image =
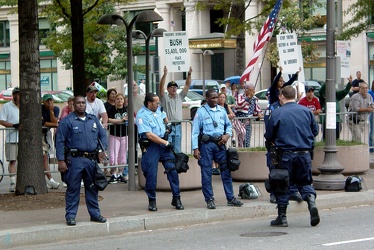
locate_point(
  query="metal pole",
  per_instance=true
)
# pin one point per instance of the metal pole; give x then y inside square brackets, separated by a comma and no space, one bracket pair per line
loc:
[330,177]
[203,59]
[157,64]
[147,80]
[131,130]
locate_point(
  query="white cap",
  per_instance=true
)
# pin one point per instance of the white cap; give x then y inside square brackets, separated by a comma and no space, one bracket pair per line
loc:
[223,85]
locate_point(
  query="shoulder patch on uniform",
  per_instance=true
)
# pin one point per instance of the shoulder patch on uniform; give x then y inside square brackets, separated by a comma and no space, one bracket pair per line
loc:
[140,121]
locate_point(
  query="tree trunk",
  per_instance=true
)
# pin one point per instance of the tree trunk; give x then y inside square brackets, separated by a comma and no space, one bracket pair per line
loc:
[79,74]
[30,173]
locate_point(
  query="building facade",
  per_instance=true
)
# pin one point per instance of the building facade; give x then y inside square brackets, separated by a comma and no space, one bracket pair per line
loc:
[230,54]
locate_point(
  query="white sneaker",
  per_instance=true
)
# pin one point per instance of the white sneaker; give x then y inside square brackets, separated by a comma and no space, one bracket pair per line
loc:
[52,184]
[82,184]
[12,187]
[64,185]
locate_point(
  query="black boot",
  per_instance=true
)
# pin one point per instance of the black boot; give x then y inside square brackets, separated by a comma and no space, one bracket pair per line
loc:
[314,217]
[176,202]
[281,220]
[152,206]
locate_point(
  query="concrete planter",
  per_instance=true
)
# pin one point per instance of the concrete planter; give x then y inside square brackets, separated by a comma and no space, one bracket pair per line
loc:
[187,181]
[252,168]
[354,159]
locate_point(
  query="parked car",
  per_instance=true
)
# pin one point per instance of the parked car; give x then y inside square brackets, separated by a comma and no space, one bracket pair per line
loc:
[6,94]
[262,99]
[58,96]
[192,101]
[197,85]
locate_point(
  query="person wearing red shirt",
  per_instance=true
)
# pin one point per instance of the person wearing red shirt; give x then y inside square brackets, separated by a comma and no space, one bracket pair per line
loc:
[311,102]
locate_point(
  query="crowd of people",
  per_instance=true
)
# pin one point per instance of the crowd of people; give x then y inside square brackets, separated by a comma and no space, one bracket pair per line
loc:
[86,120]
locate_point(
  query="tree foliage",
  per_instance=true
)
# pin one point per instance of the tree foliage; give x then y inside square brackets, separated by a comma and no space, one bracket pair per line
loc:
[361,14]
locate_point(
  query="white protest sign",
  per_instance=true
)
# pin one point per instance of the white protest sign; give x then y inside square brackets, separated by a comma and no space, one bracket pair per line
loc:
[288,52]
[176,51]
[343,50]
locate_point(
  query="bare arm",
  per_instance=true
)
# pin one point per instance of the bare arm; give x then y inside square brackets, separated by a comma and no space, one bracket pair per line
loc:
[156,139]
[161,88]
[188,81]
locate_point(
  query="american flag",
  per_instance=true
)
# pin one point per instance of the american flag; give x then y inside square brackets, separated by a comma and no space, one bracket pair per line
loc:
[264,36]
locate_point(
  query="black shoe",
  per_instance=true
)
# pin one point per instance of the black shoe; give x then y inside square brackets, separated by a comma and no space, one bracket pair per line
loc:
[176,202]
[273,199]
[121,179]
[113,180]
[71,222]
[296,197]
[99,219]
[152,206]
[216,171]
[210,204]
[234,202]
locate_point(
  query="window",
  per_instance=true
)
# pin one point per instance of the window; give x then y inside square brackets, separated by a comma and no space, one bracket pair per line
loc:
[44,27]
[4,34]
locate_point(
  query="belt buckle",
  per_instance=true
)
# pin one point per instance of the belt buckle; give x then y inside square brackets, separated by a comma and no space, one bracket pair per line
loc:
[85,154]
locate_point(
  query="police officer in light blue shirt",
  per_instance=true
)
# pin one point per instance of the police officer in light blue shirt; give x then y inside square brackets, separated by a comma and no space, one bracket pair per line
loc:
[212,123]
[77,142]
[151,129]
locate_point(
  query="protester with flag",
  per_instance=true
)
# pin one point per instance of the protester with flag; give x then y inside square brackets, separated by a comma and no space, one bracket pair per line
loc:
[264,36]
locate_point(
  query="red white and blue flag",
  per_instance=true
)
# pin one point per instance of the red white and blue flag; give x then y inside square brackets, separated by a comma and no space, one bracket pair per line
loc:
[264,36]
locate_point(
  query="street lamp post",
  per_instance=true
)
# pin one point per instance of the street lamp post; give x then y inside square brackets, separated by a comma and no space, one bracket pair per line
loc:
[155,33]
[203,53]
[146,16]
[330,177]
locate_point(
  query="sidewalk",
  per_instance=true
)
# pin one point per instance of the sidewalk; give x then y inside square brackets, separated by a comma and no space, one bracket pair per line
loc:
[126,211]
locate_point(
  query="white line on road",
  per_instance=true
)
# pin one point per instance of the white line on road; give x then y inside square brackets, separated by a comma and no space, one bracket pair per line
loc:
[347,242]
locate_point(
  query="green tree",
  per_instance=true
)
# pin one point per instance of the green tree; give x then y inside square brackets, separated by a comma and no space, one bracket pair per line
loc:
[361,18]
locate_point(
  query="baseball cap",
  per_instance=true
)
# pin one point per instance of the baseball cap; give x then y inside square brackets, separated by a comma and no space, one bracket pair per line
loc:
[91,88]
[47,97]
[307,89]
[222,86]
[172,83]
[15,90]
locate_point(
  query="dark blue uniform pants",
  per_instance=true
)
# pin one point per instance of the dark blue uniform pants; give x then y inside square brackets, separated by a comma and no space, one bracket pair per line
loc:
[293,188]
[80,168]
[155,153]
[209,152]
[299,166]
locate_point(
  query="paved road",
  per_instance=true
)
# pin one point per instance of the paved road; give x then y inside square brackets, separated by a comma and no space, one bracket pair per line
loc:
[349,228]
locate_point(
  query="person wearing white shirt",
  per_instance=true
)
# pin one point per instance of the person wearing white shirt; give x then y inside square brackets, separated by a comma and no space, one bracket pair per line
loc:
[95,106]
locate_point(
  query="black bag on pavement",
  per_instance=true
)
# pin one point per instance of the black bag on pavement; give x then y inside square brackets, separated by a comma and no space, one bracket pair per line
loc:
[232,158]
[100,180]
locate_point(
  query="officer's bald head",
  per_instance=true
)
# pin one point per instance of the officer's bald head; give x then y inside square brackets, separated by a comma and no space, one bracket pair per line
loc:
[288,92]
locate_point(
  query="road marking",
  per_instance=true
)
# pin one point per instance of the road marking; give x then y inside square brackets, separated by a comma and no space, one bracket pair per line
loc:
[347,242]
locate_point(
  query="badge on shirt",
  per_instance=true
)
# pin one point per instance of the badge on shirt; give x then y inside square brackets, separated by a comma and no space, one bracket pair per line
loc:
[140,121]
[94,125]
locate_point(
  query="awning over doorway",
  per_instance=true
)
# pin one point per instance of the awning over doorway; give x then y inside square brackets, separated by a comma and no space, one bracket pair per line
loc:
[212,41]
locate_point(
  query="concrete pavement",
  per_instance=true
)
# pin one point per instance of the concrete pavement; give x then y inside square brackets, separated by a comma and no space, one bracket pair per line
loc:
[126,211]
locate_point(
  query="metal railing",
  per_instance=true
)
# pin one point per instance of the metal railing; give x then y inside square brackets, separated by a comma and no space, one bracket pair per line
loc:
[256,138]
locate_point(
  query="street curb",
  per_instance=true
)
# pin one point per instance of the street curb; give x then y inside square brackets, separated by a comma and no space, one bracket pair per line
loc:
[38,234]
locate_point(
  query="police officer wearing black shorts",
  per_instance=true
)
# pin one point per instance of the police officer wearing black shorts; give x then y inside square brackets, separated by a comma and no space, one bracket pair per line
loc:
[293,153]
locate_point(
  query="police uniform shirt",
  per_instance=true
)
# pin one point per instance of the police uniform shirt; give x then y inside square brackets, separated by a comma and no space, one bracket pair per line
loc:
[79,133]
[292,127]
[205,118]
[149,121]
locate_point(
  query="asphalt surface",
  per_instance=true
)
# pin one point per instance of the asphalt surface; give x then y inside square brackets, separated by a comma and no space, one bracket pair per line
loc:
[126,211]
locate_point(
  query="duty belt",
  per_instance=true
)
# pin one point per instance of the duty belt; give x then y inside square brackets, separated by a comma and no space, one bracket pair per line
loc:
[207,138]
[89,155]
[296,151]
[175,123]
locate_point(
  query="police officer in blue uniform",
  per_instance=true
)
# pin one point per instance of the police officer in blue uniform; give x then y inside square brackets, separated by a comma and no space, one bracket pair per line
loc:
[212,123]
[77,144]
[151,128]
[291,130]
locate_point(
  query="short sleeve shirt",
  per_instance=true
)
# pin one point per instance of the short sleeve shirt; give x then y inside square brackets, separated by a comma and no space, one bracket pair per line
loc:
[173,106]
[10,113]
[96,108]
